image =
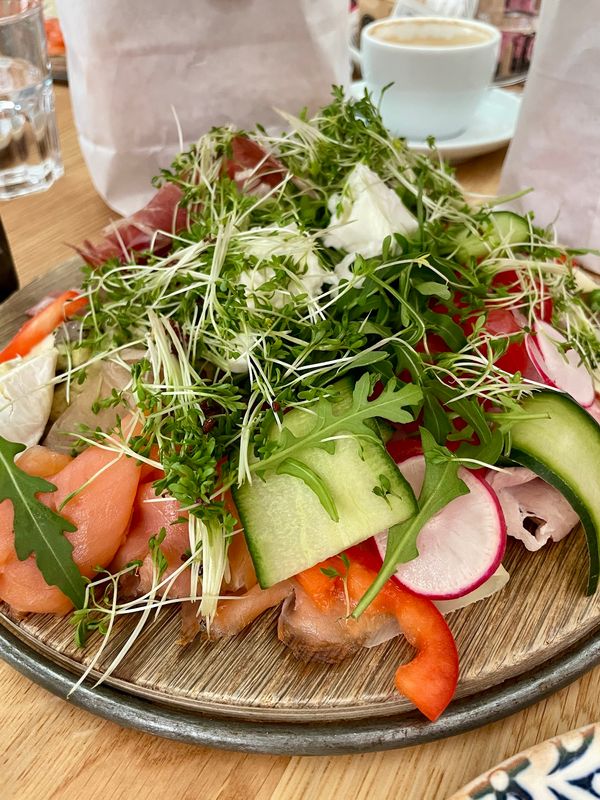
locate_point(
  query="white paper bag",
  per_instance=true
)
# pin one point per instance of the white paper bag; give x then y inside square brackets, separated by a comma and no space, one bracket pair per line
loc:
[556,149]
[131,62]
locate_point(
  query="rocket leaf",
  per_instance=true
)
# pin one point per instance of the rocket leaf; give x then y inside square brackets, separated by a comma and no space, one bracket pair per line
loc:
[441,485]
[331,423]
[38,530]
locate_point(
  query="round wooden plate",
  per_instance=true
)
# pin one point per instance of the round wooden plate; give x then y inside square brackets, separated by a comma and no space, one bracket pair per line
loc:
[249,692]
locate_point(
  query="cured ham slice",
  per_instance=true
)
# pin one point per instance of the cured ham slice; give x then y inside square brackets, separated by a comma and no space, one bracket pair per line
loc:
[535,512]
[253,169]
[310,632]
[147,229]
[249,166]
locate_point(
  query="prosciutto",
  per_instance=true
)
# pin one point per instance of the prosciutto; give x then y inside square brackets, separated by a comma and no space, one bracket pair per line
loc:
[147,229]
[252,168]
[535,512]
[151,228]
[311,633]
[237,612]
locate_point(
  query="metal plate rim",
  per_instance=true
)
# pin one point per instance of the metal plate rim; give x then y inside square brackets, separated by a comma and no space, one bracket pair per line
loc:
[345,737]
[326,738]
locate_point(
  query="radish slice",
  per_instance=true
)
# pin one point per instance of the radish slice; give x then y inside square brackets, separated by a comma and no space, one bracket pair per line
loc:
[563,371]
[459,548]
[497,581]
[594,410]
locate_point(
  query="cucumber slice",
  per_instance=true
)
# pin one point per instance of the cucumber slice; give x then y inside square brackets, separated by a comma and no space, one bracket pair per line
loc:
[563,448]
[288,528]
[501,227]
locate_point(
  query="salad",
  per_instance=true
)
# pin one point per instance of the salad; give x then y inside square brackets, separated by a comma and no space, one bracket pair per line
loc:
[308,373]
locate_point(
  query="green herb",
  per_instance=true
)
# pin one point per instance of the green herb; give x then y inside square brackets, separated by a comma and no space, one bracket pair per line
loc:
[295,468]
[330,424]
[159,560]
[38,530]
[383,489]
[236,334]
[330,572]
[441,485]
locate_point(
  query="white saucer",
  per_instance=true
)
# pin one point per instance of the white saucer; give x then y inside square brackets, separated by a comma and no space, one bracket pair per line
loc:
[492,127]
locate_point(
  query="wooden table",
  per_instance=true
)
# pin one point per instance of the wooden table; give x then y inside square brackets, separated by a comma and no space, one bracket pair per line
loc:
[50,750]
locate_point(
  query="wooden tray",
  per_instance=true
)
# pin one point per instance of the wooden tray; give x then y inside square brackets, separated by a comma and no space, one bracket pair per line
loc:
[539,633]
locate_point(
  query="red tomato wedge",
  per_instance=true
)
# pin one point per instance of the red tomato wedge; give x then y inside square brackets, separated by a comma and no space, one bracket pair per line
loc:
[510,279]
[43,323]
[501,322]
[430,679]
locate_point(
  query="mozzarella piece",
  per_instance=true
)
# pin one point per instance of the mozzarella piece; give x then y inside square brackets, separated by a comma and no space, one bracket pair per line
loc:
[306,274]
[494,584]
[26,392]
[366,213]
[241,346]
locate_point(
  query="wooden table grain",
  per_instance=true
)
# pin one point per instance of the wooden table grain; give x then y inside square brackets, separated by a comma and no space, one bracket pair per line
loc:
[50,750]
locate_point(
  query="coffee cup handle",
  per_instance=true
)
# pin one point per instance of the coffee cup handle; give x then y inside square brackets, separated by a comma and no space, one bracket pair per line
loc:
[356,56]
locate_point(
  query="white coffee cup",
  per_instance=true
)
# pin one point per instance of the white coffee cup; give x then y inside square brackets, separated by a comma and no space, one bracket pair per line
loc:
[439,70]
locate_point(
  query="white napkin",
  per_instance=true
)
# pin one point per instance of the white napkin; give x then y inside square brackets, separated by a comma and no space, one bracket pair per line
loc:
[556,148]
[441,8]
[214,61]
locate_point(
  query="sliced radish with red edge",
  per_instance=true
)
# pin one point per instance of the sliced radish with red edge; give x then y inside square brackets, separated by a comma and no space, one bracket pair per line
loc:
[460,547]
[594,410]
[559,369]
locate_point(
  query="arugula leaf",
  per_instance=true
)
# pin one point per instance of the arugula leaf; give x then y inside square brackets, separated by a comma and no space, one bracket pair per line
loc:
[444,326]
[297,469]
[391,405]
[433,288]
[37,528]
[491,440]
[435,418]
[441,485]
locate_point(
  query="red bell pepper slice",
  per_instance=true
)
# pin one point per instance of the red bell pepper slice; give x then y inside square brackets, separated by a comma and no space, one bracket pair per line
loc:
[43,323]
[430,679]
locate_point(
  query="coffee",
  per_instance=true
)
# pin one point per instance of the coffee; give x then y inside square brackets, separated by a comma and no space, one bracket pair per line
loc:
[428,74]
[415,33]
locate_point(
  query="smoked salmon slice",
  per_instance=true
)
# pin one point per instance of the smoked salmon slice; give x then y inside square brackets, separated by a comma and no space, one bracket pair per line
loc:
[101,512]
[42,462]
[152,513]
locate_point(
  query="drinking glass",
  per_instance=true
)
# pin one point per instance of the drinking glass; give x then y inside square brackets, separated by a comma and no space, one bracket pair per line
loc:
[29,150]
[9,282]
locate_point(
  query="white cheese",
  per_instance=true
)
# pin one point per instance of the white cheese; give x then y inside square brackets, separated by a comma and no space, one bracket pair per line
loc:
[343,271]
[366,213]
[238,360]
[306,274]
[26,393]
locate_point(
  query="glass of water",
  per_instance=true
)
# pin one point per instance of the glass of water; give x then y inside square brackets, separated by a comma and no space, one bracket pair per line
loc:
[29,149]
